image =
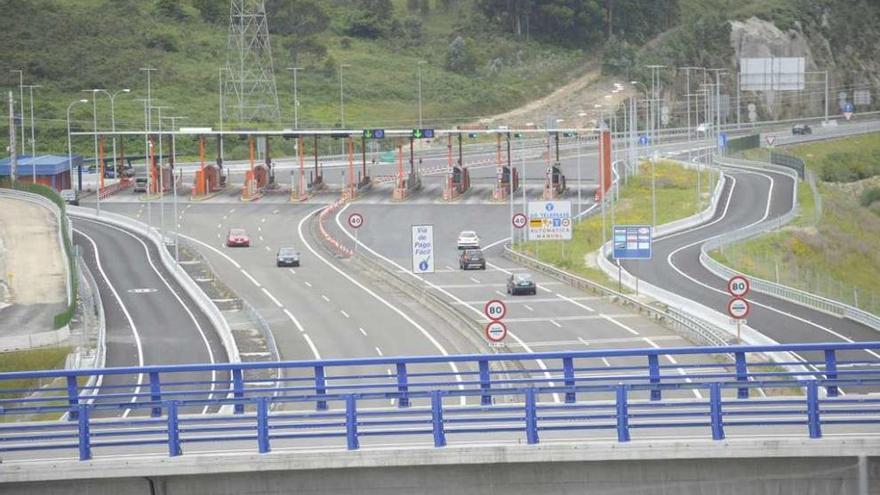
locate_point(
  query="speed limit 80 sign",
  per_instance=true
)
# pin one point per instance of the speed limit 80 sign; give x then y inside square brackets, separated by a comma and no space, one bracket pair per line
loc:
[495,310]
[738,286]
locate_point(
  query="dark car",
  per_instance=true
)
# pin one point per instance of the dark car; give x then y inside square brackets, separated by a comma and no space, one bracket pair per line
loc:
[521,283]
[287,256]
[472,258]
[801,129]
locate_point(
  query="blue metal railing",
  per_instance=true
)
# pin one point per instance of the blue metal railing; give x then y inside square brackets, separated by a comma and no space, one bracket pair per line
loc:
[710,390]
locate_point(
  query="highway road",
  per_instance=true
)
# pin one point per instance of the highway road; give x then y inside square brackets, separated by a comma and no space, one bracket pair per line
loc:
[149,318]
[749,197]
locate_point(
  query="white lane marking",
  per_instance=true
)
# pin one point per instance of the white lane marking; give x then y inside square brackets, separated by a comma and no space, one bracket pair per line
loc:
[269,294]
[499,241]
[312,346]
[224,217]
[219,225]
[474,280]
[218,236]
[294,320]
[275,212]
[308,284]
[557,324]
[379,351]
[364,332]
[212,248]
[263,220]
[450,268]
[325,298]
[605,360]
[134,331]
[515,337]
[379,298]
[261,238]
[713,222]
[248,275]
[260,229]
[292,271]
[541,286]
[344,313]
[268,248]
[568,299]
[528,307]
[621,325]
[189,312]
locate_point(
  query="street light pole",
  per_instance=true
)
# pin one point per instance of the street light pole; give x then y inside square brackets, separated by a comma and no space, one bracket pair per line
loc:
[161,178]
[174,187]
[21,104]
[69,147]
[95,130]
[220,79]
[113,120]
[295,98]
[33,139]
[342,104]
[419,65]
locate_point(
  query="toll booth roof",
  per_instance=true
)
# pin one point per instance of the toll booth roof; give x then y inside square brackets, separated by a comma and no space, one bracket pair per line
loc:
[44,164]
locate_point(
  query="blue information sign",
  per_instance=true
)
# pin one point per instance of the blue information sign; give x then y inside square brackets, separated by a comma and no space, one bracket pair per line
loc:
[632,242]
[643,139]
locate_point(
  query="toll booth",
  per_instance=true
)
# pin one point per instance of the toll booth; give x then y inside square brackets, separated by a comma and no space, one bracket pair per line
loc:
[554,185]
[261,176]
[457,182]
[507,178]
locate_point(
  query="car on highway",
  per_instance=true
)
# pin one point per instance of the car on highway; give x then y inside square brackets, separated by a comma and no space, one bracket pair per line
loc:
[801,129]
[468,239]
[70,196]
[521,283]
[140,185]
[472,258]
[287,256]
[702,129]
[237,238]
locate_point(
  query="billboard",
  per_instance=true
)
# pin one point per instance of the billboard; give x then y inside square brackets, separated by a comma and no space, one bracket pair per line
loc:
[772,74]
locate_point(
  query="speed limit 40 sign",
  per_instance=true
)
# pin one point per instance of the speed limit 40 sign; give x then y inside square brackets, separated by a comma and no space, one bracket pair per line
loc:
[495,310]
[519,220]
[738,286]
[355,220]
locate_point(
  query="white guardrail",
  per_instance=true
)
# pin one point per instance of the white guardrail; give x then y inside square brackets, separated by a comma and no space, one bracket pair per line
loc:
[787,293]
[191,288]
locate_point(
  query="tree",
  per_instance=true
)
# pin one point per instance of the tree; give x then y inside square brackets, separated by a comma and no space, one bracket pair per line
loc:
[460,56]
[213,11]
[170,9]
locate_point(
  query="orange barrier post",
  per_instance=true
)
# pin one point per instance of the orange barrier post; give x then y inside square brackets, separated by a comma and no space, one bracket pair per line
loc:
[101,166]
[153,173]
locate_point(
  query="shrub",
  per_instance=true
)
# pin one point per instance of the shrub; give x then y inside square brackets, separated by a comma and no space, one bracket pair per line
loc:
[870,196]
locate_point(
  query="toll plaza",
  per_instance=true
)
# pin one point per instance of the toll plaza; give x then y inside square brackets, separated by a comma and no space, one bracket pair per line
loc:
[256,175]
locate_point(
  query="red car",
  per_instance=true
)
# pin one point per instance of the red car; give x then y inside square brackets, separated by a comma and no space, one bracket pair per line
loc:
[237,238]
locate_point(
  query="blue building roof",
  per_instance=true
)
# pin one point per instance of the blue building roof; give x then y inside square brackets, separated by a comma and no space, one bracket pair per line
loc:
[45,165]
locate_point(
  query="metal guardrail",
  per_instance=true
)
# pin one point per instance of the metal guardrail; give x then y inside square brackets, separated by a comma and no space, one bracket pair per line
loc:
[692,328]
[791,294]
[348,398]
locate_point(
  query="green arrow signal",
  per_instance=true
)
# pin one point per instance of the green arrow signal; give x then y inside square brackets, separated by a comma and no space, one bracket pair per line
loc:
[417,133]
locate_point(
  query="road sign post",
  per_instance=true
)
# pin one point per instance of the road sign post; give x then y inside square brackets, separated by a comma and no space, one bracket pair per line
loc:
[738,308]
[549,220]
[355,221]
[738,286]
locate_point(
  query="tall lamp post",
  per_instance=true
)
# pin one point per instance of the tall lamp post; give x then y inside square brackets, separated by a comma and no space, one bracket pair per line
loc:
[174,186]
[69,147]
[21,104]
[98,168]
[33,138]
[161,184]
[295,97]
[419,65]
[112,97]
[342,104]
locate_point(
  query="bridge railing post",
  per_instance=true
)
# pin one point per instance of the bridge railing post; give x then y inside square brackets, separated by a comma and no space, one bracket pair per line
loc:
[238,390]
[351,424]
[485,384]
[622,414]
[402,385]
[437,419]
[155,394]
[814,421]
[84,433]
[174,449]
[531,416]
[831,371]
[320,388]
[715,411]
[263,424]
[742,375]
[654,375]
[568,376]
[72,397]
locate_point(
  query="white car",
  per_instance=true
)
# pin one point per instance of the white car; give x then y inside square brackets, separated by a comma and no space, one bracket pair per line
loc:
[468,239]
[702,129]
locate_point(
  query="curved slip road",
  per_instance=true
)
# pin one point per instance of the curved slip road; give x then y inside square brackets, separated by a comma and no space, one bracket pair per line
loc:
[150,319]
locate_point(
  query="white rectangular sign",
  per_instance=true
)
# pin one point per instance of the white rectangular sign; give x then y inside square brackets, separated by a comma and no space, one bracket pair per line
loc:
[772,74]
[550,220]
[423,248]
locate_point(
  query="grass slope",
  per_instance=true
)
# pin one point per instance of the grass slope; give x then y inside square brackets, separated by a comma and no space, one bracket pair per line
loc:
[834,256]
[676,198]
[71,45]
